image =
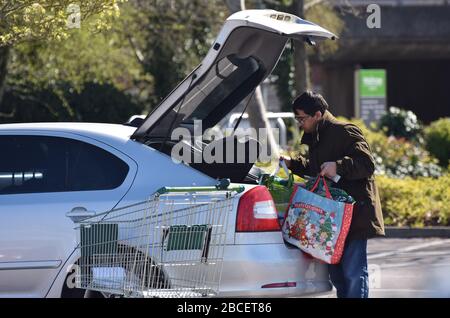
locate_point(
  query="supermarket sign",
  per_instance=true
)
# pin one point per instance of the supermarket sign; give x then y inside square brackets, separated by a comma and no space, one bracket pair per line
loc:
[370,94]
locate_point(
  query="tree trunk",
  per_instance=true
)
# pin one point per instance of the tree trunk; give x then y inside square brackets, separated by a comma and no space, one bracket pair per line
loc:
[301,64]
[257,117]
[235,5]
[4,56]
[257,108]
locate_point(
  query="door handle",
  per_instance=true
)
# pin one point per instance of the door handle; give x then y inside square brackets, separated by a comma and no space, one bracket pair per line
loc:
[80,213]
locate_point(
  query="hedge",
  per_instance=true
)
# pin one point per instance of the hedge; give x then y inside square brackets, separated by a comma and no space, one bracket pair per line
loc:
[415,202]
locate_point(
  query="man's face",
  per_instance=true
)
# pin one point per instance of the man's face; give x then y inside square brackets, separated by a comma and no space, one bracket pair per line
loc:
[307,122]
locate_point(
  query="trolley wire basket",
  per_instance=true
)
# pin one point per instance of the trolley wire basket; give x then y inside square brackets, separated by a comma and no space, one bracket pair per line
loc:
[169,246]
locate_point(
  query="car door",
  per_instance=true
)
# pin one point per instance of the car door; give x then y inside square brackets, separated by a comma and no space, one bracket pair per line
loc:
[43,176]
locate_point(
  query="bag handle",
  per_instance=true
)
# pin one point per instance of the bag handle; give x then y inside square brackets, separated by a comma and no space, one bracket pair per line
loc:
[316,184]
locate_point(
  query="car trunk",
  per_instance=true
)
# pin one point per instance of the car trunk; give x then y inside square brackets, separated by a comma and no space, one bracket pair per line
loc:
[243,55]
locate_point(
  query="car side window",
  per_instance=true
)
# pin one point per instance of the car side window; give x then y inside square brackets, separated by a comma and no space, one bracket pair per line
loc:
[36,164]
[92,168]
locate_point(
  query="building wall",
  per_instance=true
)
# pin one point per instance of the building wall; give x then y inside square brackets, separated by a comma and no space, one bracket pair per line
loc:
[335,83]
[420,86]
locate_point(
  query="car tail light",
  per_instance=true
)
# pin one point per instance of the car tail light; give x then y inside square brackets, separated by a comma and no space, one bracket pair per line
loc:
[256,212]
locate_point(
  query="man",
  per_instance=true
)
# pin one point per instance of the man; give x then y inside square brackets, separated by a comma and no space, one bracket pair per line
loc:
[338,148]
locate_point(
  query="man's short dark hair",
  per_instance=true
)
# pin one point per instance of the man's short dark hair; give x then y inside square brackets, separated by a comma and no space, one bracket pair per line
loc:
[310,103]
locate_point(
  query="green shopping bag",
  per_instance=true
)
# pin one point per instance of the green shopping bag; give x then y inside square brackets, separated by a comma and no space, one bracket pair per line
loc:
[280,189]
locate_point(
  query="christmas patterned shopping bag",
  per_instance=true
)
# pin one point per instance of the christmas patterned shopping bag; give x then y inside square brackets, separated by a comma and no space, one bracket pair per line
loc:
[316,224]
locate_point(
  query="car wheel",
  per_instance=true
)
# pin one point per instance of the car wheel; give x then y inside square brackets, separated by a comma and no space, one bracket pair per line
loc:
[156,278]
[69,289]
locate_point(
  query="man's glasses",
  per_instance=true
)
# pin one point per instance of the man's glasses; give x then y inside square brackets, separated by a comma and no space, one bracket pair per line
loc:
[301,119]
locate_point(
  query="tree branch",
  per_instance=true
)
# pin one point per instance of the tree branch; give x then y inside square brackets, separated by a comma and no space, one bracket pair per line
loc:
[137,53]
[4,57]
[242,4]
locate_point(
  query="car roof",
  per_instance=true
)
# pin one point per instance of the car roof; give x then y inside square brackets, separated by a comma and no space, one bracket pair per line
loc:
[93,130]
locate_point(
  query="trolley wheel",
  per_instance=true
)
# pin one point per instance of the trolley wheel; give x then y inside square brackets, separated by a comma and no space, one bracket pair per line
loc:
[155,276]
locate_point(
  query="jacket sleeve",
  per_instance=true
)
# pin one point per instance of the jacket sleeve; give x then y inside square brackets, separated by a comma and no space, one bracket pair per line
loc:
[358,162]
[300,166]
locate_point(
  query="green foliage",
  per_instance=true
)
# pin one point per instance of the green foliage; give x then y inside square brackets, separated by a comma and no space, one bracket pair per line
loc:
[103,103]
[401,123]
[23,20]
[283,77]
[415,202]
[82,58]
[94,103]
[171,37]
[321,13]
[45,77]
[51,63]
[397,157]
[437,140]
[137,59]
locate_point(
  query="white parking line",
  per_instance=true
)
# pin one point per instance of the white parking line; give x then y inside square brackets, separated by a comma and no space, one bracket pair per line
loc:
[406,249]
[413,264]
[402,290]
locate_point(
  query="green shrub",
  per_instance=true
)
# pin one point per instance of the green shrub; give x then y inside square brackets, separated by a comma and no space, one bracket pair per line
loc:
[401,123]
[437,140]
[415,202]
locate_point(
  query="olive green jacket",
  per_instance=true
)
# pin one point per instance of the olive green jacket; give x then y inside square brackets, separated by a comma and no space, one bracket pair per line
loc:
[345,144]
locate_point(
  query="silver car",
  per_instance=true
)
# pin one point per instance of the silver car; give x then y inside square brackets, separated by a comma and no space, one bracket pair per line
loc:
[50,169]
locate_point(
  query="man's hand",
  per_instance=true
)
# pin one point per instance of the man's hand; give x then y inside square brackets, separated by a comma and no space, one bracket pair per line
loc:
[287,160]
[328,169]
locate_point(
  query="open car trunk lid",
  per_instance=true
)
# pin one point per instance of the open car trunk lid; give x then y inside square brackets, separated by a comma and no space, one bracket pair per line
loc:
[245,52]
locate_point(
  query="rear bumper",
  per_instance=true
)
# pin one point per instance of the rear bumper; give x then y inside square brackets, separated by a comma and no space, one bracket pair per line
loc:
[247,268]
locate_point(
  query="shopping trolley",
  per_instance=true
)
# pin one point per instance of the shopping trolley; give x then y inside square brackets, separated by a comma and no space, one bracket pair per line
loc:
[171,245]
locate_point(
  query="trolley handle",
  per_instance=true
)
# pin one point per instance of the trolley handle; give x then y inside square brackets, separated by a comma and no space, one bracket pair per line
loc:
[223,185]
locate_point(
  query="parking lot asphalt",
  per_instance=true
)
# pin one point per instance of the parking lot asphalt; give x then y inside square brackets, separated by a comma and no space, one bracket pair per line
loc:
[407,268]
